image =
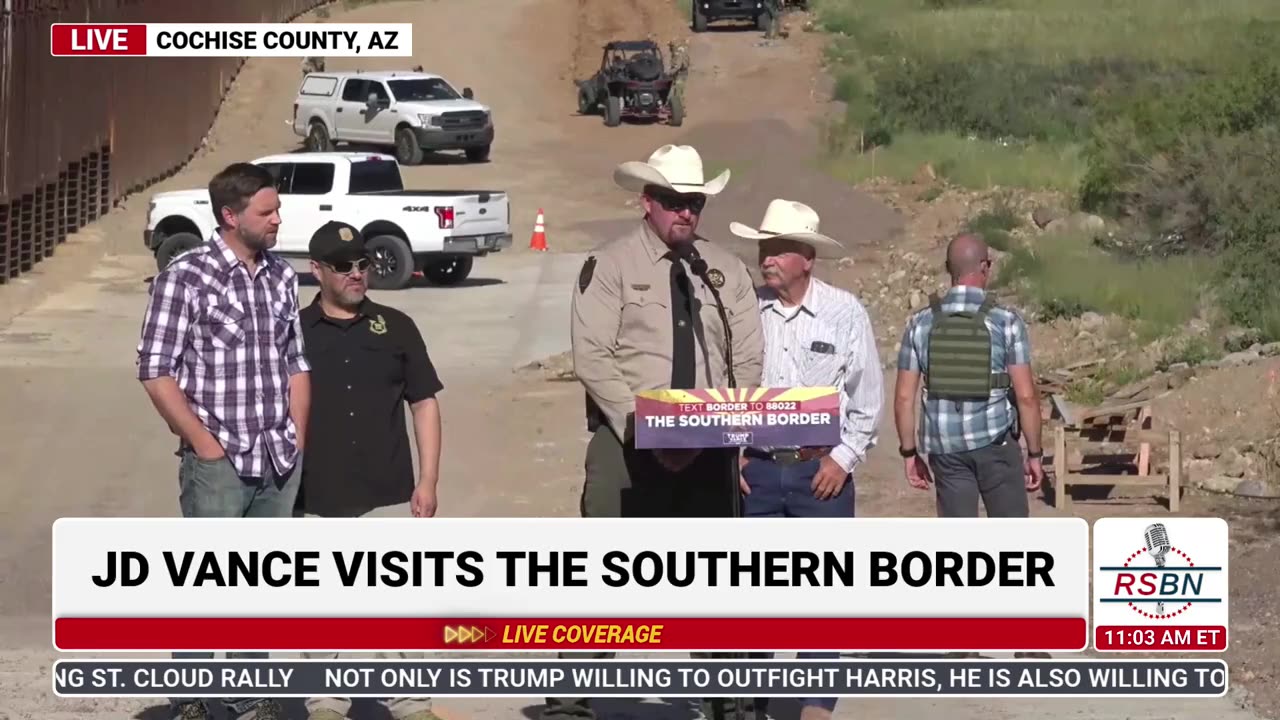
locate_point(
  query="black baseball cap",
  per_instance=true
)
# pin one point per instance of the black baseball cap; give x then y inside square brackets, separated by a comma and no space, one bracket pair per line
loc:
[336,242]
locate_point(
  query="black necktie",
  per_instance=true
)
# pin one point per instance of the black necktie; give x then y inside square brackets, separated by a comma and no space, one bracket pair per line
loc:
[684,361]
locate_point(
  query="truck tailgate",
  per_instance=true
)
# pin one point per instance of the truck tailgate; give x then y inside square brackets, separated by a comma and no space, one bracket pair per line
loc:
[483,213]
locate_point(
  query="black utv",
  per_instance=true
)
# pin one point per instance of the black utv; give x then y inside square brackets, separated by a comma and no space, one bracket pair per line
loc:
[760,12]
[632,82]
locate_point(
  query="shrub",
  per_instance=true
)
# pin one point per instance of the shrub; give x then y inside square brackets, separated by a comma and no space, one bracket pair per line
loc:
[990,95]
[994,225]
[1065,275]
[949,4]
[1132,133]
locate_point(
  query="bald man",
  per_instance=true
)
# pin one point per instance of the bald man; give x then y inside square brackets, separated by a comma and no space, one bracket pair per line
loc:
[979,395]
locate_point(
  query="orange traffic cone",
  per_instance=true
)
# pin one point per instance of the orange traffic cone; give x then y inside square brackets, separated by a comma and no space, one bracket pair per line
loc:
[539,239]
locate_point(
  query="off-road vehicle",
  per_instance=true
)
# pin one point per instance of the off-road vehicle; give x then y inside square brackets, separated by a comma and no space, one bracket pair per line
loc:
[760,12]
[632,82]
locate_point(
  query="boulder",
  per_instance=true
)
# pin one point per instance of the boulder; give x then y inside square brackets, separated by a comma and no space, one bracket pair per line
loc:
[1042,216]
[1077,222]
[1255,488]
[1240,339]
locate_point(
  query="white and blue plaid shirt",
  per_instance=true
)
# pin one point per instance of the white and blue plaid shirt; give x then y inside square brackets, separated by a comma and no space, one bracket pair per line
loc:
[852,364]
[949,426]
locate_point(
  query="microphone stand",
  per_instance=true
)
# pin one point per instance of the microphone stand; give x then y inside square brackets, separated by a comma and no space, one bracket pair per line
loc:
[699,268]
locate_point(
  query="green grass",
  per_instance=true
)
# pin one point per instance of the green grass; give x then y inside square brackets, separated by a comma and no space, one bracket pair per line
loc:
[920,81]
[1052,31]
[1093,390]
[975,164]
[996,224]
[1067,274]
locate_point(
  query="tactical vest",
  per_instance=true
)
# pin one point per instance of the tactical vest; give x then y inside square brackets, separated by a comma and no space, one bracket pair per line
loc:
[960,354]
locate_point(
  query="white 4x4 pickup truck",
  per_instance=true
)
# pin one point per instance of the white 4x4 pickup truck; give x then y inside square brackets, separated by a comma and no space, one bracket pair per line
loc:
[439,232]
[409,111]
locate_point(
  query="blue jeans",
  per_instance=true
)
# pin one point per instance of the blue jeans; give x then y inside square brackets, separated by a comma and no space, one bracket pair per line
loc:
[213,488]
[779,490]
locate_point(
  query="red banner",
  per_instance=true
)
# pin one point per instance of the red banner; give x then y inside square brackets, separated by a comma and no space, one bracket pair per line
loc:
[507,634]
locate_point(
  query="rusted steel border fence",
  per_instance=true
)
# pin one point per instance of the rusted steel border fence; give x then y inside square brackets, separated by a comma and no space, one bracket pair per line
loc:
[77,134]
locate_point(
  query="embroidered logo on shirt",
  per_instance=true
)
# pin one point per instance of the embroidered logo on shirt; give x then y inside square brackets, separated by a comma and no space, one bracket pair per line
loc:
[378,327]
[716,278]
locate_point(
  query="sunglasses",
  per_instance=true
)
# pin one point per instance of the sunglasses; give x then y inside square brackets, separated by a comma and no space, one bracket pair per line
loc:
[680,203]
[346,266]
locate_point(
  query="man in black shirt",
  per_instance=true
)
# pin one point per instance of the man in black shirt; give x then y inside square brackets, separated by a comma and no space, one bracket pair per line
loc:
[367,360]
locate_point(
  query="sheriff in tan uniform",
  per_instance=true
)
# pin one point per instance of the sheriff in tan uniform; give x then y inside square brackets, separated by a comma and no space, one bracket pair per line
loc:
[646,315]
[645,318]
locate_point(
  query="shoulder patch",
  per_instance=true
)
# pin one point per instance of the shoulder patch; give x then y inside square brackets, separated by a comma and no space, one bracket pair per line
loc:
[584,277]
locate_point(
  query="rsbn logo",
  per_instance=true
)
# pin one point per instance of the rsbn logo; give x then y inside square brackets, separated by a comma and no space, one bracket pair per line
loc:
[1167,587]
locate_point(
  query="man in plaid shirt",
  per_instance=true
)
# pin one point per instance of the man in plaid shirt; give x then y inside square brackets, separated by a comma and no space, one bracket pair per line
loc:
[972,445]
[221,358]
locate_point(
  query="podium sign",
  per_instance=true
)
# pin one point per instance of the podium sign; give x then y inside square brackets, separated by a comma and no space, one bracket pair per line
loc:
[737,417]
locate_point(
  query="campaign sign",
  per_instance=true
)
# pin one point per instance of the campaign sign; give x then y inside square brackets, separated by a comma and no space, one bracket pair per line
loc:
[738,417]
[1160,584]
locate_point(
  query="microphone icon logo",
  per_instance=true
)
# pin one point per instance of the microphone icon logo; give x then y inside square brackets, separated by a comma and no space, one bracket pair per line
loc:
[1157,539]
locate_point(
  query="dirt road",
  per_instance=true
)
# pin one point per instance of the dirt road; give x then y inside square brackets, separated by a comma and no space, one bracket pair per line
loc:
[82,439]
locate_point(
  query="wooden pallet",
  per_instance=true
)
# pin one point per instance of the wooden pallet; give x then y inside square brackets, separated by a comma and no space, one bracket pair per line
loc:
[1099,429]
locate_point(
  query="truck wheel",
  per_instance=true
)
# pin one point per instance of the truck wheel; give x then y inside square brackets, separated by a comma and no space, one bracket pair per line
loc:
[699,21]
[479,154]
[677,109]
[764,22]
[318,138]
[174,246]
[392,263]
[448,271]
[408,151]
[613,111]
[586,106]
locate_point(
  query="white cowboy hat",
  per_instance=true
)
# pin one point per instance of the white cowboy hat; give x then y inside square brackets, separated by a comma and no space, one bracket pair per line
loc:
[793,221]
[675,167]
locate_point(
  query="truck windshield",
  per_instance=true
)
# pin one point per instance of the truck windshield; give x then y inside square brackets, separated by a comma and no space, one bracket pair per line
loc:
[423,89]
[370,176]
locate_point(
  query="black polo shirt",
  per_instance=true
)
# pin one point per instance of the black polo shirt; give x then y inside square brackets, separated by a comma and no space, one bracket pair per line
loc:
[359,455]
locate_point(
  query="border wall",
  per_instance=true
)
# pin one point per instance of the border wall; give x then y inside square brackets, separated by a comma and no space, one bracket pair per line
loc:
[78,134]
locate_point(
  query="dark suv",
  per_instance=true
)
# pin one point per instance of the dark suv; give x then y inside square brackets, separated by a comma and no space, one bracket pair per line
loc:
[761,12]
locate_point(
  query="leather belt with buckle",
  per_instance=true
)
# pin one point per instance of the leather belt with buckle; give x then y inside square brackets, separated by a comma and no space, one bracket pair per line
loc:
[788,456]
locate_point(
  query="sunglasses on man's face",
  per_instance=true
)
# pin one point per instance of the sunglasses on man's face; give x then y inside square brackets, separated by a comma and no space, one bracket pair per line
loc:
[345,267]
[679,203]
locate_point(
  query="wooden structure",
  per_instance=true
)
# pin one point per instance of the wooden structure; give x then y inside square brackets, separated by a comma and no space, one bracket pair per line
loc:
[1124,423]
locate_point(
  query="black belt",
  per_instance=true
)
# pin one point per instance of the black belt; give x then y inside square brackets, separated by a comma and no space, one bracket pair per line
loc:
[787,456]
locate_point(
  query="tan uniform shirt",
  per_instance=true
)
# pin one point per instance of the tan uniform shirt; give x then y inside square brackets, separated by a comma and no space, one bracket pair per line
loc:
[622,323]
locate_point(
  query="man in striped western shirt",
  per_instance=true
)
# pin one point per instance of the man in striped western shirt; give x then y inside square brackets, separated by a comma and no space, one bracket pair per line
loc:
[221,357]
[972,444]
[816,335]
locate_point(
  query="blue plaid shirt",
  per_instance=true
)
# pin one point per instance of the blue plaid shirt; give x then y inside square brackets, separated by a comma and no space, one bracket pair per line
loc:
[949,426]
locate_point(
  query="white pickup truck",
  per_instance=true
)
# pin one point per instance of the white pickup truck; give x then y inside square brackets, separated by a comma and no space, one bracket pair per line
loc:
[439,232]
[410,111]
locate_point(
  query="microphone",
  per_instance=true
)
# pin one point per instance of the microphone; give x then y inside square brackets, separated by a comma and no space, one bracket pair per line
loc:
[1157,539]
[696,263]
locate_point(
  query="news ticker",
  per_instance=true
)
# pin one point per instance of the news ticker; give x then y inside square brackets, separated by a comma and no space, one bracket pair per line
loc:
[641,678]
[653,584]
[231,39]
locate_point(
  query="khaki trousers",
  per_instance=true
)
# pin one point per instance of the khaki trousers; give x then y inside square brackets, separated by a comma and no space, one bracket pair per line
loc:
[398,707]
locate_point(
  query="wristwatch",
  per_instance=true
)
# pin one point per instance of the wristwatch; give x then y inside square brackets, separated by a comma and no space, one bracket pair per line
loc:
[1037,454]
[904,452]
